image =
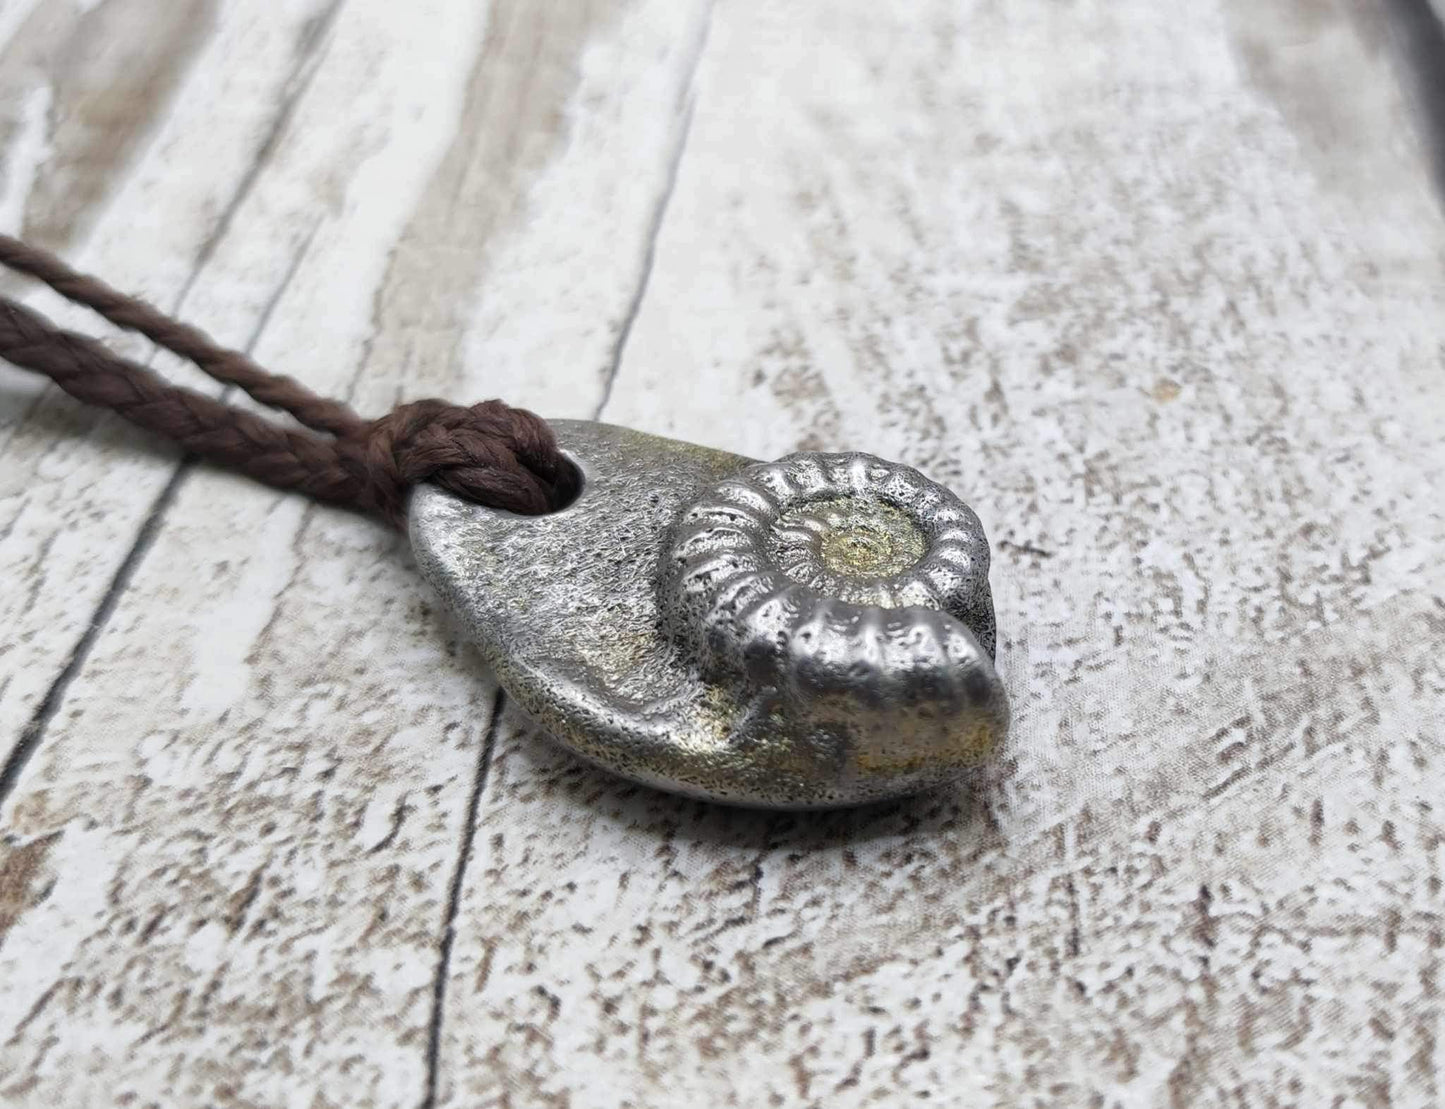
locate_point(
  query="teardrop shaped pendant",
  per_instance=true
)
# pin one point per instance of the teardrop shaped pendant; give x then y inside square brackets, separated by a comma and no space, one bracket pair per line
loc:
[807,633]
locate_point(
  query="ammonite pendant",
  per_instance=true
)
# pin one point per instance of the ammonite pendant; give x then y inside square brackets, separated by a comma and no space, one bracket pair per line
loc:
[807,633]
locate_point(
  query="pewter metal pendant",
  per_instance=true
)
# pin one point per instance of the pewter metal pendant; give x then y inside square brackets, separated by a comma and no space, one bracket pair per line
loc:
[806,633]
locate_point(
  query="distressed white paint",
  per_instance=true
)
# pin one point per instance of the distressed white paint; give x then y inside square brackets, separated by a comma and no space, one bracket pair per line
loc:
[232,620]
[1116,271]
[12,14]
[78,487]
[1134,279]
[27,149]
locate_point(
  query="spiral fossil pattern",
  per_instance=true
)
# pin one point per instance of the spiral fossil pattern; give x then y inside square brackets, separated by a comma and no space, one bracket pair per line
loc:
[836,576]
[814,632]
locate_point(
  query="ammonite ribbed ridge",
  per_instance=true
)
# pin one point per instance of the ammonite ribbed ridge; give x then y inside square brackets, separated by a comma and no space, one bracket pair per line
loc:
[835,574]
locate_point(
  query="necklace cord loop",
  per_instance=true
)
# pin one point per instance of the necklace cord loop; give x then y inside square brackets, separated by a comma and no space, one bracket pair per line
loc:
[491,453]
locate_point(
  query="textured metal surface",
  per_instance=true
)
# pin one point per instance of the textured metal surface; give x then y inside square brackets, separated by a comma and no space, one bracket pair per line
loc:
[811,632]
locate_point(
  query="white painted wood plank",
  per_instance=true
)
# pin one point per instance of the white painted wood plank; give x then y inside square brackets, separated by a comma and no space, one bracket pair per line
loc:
[227,865]
[74,485]
[1158,289]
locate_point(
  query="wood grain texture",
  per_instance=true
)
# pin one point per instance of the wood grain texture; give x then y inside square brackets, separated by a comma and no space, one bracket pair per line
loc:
[75,487]
[1164,306]
[261,872]
[1137,280]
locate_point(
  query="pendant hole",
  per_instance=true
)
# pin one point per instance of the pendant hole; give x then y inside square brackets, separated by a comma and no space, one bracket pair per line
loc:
[568,486]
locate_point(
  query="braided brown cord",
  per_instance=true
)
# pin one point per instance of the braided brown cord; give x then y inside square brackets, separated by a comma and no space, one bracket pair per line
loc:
[491,453]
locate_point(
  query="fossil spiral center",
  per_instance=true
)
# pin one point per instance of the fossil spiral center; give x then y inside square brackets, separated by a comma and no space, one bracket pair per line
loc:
[852,537]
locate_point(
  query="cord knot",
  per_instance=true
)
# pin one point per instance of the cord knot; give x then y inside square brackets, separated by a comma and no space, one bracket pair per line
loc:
[491,453]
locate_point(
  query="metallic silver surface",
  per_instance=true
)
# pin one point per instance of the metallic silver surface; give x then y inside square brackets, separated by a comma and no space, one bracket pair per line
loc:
[811,632]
